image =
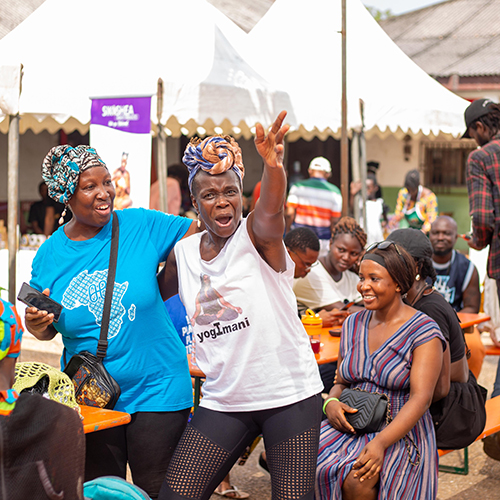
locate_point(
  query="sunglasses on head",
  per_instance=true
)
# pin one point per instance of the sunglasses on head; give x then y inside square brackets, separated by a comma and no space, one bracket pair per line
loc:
[384,245]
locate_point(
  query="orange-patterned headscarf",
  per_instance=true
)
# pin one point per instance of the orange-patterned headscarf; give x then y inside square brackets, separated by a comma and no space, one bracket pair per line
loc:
[215,155]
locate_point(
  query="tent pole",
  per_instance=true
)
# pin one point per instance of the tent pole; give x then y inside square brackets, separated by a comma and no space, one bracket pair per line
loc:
[362,162]
[344,166]
[356,176]
[13,201]
[161,146]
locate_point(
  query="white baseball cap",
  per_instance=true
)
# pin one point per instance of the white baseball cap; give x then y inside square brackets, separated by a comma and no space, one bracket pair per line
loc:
[320,163]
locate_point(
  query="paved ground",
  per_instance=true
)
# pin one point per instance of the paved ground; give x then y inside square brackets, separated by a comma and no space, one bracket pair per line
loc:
[482,482]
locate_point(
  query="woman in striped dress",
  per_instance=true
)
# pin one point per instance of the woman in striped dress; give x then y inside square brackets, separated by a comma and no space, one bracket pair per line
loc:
[390,348]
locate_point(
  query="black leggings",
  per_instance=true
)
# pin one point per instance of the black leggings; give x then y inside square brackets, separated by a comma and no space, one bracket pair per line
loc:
[147,443]
[213,441]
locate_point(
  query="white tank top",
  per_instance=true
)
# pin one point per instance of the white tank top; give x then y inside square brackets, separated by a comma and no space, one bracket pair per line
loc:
[249,340]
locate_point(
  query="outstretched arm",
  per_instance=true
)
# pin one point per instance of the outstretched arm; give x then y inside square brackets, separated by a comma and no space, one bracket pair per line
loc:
[267,221]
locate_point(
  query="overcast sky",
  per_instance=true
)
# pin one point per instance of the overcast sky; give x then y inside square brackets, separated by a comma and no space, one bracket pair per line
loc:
[399,6]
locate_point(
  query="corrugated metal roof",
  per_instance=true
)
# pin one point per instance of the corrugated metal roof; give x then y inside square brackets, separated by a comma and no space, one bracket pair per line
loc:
[14,12]
[245,13]
[452,37]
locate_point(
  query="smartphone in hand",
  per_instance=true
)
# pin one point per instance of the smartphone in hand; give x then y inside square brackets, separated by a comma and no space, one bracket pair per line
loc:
[346,306]
[33,298]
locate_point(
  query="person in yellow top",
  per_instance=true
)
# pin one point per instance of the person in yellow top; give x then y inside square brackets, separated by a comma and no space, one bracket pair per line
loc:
[416,203]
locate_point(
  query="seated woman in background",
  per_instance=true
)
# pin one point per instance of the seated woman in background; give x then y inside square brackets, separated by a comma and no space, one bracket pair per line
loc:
[387,348]
[423,297]
[456,381]
[330,284]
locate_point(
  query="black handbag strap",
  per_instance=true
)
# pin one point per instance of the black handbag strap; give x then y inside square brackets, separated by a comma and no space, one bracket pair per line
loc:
[102,345]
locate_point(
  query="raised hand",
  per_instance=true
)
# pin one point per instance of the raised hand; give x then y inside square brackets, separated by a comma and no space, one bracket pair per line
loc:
[270,147]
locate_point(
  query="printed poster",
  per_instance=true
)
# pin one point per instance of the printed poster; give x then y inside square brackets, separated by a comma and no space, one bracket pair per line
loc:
[120,131]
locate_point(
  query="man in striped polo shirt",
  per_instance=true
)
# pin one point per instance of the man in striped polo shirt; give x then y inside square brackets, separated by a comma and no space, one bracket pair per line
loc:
[315,203]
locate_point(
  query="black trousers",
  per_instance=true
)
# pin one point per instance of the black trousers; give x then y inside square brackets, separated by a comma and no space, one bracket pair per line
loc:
[213,441]
[147,443]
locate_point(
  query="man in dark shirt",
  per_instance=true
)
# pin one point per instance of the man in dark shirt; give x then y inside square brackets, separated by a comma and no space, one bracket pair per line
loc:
[457,280]
[457,277]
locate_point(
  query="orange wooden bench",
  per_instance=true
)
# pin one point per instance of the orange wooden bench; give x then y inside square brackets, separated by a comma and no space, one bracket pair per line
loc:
[492,426]
[492,350]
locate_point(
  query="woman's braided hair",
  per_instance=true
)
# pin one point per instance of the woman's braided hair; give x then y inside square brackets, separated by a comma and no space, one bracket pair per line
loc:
[347,225]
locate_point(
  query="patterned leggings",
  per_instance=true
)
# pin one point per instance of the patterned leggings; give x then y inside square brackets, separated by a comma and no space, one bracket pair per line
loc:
[213,441]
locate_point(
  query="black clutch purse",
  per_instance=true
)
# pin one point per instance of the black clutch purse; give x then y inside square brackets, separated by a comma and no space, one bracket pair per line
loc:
[373,410]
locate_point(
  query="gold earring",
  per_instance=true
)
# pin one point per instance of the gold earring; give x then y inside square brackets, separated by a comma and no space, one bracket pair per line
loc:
[417,277]
[63,214]
[198,222]
[398,289]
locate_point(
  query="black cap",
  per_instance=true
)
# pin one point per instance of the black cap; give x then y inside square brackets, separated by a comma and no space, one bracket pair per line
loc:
[474,111]
[414,241]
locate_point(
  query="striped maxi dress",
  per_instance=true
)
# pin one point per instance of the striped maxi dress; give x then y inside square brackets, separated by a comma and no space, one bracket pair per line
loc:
[385,370]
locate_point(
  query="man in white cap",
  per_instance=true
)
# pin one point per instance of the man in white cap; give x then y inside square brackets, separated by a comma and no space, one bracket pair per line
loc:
[315,203]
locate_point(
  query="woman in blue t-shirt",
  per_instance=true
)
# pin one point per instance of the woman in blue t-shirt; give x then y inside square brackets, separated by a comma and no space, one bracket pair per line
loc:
[145,355]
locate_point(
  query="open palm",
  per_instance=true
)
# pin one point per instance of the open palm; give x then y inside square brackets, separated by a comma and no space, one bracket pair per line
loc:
[270,147]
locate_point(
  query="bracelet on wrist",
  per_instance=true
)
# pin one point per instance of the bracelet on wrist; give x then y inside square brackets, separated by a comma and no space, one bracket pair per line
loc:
[327,401]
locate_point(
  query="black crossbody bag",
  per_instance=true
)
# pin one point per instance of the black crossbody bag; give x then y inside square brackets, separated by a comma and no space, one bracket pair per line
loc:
[94,386]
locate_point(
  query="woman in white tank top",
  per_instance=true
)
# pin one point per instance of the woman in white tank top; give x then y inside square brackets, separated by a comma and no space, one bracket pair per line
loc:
[235,280]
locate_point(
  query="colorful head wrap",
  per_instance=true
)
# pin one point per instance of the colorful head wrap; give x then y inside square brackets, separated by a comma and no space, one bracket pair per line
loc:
[11,331]
[215,155]
[62,167]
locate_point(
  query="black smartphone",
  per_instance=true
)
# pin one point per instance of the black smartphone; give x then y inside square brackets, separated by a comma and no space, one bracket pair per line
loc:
[33,298]
[346,306]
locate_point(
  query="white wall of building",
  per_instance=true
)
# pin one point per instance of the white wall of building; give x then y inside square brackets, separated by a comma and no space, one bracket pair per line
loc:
[389,153]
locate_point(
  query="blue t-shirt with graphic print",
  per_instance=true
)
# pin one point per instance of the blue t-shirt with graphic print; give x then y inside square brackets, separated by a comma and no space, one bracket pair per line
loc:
[145,355]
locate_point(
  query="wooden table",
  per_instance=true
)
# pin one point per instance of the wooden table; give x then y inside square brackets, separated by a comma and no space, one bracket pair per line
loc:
[329,351]
[97,419]
[469,319]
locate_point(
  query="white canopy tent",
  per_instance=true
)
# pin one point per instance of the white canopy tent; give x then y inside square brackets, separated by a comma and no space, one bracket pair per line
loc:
[73,50]
[398,96]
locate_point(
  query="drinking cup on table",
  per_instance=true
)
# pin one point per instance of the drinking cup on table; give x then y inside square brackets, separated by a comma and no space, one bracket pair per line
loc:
[313,324]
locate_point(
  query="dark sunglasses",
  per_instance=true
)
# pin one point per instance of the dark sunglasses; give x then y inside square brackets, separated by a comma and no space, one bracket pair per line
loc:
[384,245]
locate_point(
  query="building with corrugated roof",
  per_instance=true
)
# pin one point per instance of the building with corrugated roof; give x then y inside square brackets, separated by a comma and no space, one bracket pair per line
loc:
[457,42]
